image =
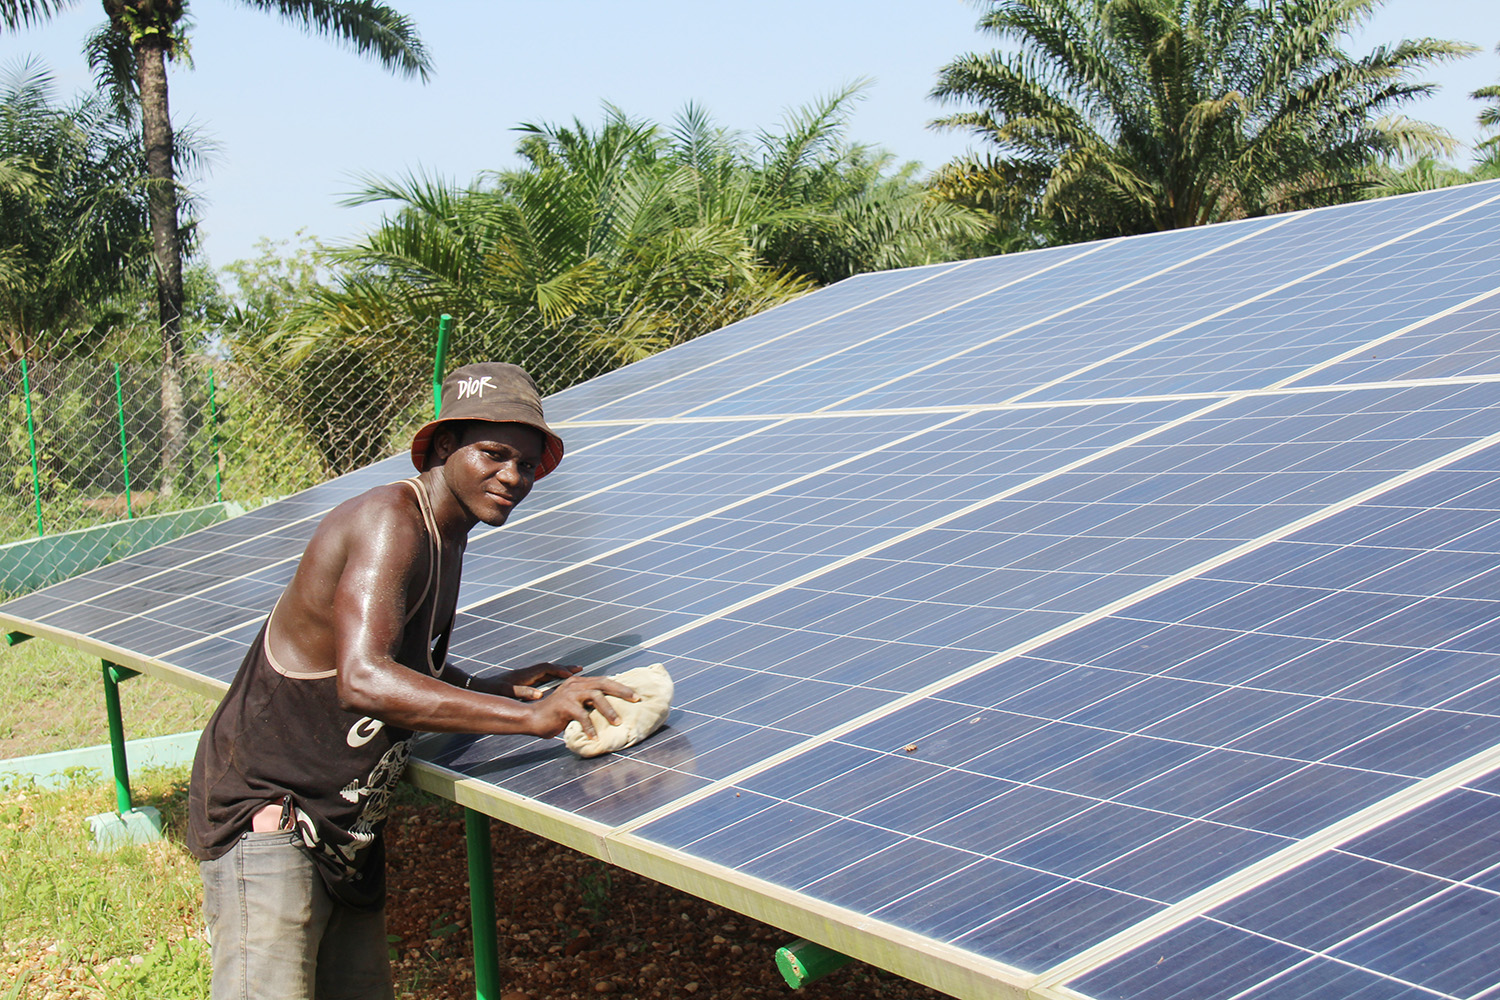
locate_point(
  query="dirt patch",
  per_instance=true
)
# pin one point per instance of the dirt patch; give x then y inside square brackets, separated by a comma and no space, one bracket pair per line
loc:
[574,927]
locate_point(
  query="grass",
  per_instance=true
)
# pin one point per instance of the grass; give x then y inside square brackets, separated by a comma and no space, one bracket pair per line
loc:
[54,700]
[75,923]
[123,925]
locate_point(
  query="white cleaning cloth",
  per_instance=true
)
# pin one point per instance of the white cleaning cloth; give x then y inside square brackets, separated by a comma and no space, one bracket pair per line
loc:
[638,719]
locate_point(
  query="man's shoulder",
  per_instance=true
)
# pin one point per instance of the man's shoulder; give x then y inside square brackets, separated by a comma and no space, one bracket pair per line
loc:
[390,510]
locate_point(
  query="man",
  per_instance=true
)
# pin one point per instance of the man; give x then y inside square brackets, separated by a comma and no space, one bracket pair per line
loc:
[294,772]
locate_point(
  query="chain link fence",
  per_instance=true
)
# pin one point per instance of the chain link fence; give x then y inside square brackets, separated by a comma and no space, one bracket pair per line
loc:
[104,459]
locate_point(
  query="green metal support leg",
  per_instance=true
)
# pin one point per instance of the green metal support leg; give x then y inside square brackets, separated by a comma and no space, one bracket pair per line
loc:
[127,825]
[482,905]
[113,675]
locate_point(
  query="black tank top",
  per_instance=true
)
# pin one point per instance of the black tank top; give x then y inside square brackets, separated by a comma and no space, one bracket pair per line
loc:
[281,736]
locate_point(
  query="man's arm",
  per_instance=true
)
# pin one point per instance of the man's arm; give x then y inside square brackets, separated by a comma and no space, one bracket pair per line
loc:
[383,545]
[522,683]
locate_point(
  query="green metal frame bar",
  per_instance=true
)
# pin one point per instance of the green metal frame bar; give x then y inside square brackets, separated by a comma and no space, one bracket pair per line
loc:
[213,414]
[476,824]
[124,445]
[113,675]
[440,361]
[36,483]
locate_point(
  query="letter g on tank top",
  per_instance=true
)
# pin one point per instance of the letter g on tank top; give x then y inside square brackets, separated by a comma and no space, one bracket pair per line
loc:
[363,732]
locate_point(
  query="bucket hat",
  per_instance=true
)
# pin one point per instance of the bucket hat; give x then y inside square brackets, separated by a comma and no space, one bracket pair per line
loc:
[493,391]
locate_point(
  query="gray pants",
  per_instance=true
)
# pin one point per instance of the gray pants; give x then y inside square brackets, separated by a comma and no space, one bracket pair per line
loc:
[276,933]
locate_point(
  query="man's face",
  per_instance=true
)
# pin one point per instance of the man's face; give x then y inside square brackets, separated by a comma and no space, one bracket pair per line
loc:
[491,468]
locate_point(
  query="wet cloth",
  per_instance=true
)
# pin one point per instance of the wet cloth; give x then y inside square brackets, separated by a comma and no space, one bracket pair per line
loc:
[638,719]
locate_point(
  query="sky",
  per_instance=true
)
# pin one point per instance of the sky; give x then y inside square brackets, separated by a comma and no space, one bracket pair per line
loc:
[296,120]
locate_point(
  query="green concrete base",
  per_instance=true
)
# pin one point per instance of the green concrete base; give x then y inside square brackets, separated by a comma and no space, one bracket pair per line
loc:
[114,830]
[51,770]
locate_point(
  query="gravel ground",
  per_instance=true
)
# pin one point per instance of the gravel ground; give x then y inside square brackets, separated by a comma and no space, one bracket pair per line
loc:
[571,926]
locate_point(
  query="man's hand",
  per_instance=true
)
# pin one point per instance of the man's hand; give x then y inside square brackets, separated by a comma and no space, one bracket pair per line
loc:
[571,700]
[522,683]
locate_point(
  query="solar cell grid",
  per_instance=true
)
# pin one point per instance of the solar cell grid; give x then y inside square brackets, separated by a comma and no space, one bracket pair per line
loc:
[1064,358]
[792,606]
[1150,681]
[1271,336]
[1458,343]
[685,390]
[619,391]
[1409,909]
[856,380]
[779,376]
[1022,360]
[1210,784]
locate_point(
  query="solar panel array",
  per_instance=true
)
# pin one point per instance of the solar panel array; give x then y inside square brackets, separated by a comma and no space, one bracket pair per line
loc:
[1111,621]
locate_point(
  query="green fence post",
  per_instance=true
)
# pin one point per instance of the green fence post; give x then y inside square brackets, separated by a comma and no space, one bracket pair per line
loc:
[440,361]
[36,483]
[124,447]
[213,413]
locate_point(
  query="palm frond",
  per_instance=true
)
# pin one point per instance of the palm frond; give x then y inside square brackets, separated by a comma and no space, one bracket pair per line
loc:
[365,26]
[24,13]
[112,58]
[1489,117]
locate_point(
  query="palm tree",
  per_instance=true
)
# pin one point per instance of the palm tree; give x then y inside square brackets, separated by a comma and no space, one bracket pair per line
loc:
[1490,116]
[834,208]
[131,53]
[1127,116]
[801,201]
[667,233]
[602,250]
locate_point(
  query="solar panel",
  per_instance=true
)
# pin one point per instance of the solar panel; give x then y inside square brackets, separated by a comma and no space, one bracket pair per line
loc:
[1109,621]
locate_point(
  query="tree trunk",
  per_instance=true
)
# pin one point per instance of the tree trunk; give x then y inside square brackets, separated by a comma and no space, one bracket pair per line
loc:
[156,128]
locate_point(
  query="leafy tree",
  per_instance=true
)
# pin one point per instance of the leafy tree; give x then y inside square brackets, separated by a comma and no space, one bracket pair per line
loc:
[130,54]
[665,233]
[73,220]
[1125,116]
[282,276]
[609,243]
